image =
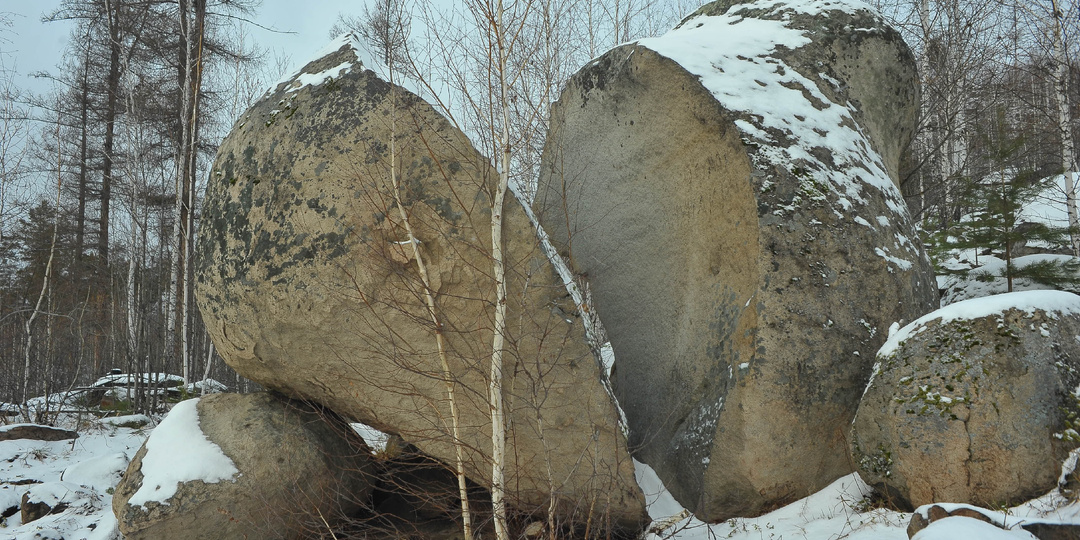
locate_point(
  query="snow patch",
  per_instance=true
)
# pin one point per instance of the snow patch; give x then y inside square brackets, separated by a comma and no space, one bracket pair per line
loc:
[374,438]
[1056,302]
[178,452]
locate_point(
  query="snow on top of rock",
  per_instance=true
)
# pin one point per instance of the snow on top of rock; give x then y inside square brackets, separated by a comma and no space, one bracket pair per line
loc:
[178,452]
[1049,206]
[130,419]
[299,79]
[374,438]
[728,51]
[812,7]
[99,472]
[735,58]
[1056,302]
[965,527]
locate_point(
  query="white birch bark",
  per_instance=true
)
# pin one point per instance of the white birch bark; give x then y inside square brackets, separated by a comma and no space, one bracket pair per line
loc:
[44,284]
[495,388]
[1064,124]
[433,314]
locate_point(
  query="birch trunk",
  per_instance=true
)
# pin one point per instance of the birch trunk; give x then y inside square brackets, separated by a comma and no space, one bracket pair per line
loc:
[44,283]
[495,388]
[429,300]
[1064,125]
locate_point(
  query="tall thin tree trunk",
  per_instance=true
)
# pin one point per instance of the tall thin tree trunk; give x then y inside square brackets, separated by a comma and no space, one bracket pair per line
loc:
[112,8]
[495,388]
[44,282]
[433,314]
[1064,124]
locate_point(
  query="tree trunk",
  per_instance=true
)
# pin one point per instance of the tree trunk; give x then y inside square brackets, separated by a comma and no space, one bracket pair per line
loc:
[1064,124]
[495,388]
[44,282]
[112,8]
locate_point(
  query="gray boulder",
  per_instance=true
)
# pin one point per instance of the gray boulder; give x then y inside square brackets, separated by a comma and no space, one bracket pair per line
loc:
[974,403]
[729,192]
[295,466]
[35,432]
[308,285]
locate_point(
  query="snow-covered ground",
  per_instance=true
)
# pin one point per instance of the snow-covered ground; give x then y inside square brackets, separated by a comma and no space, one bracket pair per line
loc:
[844,509]
[985,275]
[82,474]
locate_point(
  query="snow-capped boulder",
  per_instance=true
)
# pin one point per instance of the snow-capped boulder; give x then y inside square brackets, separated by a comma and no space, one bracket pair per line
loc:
[242,466]
[977,402]
[50,498]
[99,473]
[309,285]
[729,191]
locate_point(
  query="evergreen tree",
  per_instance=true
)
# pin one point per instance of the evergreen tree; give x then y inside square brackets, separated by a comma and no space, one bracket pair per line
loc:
[995,222]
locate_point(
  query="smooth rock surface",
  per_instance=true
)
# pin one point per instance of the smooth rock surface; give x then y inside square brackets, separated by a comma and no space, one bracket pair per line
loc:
[308,285]
[746,261]
[976,409]
[297,465]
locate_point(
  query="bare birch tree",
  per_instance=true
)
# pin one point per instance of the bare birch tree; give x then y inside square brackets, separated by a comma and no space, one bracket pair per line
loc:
[28,350]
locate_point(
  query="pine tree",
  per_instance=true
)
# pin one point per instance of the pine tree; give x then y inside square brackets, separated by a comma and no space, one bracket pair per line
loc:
[995,224]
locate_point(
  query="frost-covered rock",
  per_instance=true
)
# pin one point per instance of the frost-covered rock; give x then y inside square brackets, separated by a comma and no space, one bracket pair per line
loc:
[242,466]
[729,190]
[309,285]
[977,402]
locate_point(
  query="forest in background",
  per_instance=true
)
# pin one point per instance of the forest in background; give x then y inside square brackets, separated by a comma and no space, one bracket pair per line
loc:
[101,179]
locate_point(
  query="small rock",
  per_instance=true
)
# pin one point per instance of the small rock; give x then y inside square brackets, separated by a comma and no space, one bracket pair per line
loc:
[1053,531]
[35,432]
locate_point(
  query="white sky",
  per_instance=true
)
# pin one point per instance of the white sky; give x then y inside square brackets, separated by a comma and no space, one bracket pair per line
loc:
[31,46]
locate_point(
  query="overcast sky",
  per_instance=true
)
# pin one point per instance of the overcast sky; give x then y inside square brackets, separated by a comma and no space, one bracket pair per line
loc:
[32,46]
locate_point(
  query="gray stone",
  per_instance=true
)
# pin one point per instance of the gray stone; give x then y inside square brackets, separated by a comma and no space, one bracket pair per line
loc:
[977,410]
[36,432]
[298,465]
[745,276]
[308,285]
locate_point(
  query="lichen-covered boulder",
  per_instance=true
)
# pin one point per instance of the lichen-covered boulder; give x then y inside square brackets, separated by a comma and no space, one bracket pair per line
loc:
[243,466]
[729,191]
[974,403]
[309,285]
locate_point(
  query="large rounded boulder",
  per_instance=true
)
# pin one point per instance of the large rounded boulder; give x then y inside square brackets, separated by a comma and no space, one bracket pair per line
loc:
[730,192]
[310,285]
[243,466]
[975,403]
